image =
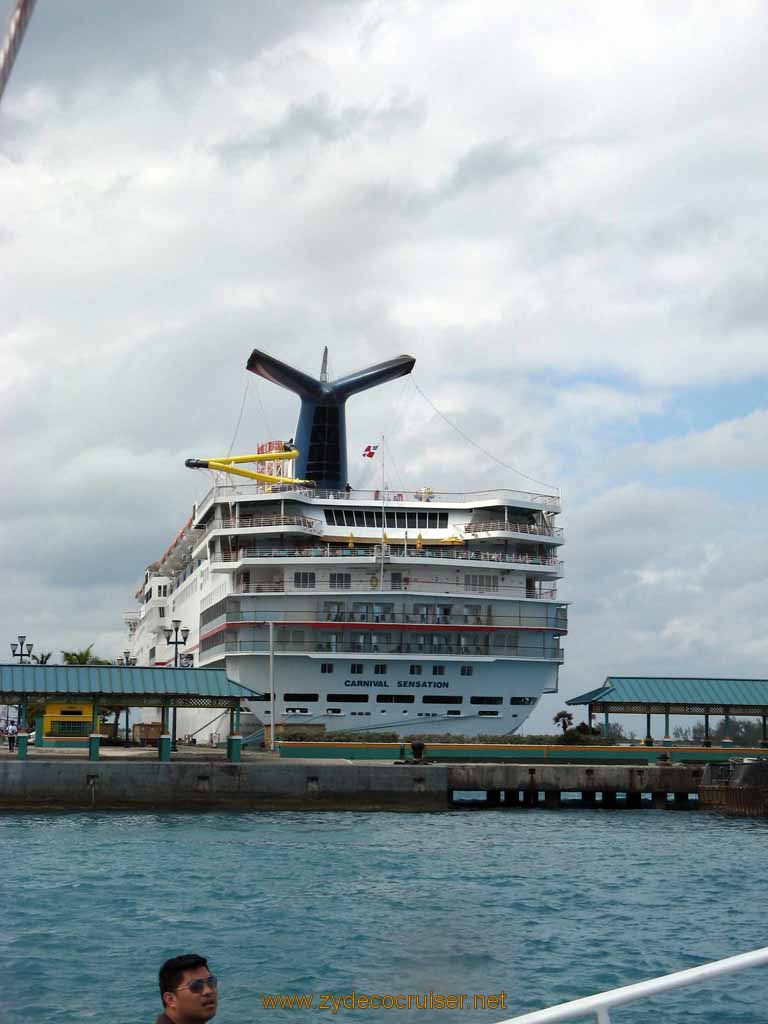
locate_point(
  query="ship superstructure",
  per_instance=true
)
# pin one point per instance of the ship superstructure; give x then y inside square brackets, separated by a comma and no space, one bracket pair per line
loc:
[376,610]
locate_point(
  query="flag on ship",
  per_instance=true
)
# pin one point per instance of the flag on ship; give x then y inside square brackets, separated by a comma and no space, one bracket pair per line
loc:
[370,450]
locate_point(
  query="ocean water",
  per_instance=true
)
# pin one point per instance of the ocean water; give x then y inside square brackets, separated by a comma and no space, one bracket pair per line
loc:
[543,905]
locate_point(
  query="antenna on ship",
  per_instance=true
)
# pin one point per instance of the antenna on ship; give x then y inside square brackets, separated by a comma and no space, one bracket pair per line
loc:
[324,367]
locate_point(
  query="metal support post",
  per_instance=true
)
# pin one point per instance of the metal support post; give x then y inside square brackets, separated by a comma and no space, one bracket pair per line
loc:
[22,740]
[94,740]
[272,722]
[727,741]
[667,738]
[164,740]
[648,737]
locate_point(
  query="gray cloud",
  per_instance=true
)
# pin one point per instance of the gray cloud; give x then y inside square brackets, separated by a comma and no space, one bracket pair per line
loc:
[567,246]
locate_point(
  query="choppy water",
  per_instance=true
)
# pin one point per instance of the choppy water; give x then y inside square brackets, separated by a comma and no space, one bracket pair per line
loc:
[546,906]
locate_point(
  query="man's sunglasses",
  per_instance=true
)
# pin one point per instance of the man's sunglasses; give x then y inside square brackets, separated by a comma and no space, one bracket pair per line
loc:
[198,985]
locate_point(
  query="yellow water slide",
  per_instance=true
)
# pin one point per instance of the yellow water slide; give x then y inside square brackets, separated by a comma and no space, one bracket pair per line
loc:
[231,463]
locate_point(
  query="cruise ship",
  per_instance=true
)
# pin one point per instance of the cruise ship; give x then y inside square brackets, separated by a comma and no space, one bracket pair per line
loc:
[413,612]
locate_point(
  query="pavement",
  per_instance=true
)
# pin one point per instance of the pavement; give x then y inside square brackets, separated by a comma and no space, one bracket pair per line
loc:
[185,753]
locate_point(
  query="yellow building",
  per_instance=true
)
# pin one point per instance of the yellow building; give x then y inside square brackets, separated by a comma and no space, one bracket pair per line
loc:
[65,725]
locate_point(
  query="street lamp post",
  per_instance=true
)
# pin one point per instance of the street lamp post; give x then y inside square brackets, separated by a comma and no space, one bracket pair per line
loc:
[176,643]
[126,662]
[17,650]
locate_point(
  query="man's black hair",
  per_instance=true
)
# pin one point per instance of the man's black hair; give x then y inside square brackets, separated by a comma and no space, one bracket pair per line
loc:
[172,971]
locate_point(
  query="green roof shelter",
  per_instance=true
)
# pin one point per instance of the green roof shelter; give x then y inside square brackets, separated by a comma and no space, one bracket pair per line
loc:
[664,695]
[125,687]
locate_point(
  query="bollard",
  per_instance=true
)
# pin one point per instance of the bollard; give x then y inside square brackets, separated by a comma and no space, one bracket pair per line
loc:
[22,742]
[94,742]
[164,747]
[234,748]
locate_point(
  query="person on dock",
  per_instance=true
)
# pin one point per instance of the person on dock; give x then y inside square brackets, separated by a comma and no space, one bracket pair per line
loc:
[188,990]
[12,732]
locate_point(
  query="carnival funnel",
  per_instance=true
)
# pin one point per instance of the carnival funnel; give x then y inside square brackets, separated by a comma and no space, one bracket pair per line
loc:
[321,435]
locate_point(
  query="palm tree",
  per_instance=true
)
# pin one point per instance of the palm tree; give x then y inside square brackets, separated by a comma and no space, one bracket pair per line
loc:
[42,659]
[84,657]
[564,719]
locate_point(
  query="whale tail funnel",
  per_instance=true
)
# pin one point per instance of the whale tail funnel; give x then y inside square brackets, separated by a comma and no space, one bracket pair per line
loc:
[321,435]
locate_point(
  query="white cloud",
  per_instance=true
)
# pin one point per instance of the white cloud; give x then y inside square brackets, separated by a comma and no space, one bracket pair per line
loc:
[553,208]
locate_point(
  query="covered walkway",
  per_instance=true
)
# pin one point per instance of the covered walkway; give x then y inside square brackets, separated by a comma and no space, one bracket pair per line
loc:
[662,695]
[114,687]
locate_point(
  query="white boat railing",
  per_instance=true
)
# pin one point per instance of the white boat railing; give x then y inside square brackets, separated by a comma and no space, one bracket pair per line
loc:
[601,1004]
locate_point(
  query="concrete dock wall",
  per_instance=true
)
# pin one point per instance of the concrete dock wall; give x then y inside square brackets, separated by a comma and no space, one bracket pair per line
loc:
[324,785]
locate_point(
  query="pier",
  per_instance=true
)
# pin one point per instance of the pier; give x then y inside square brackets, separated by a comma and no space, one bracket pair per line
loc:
[68,784]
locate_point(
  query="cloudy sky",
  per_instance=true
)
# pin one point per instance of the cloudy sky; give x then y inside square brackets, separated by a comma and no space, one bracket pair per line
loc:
[558,209]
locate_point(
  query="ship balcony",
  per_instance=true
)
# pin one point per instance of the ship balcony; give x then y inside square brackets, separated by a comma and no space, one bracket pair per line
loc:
[225,494]
[492,587]
[500,529]
[535,565]
[373,648]
[262,525]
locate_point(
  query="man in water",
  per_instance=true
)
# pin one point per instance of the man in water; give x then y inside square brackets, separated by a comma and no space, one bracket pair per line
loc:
[188,990]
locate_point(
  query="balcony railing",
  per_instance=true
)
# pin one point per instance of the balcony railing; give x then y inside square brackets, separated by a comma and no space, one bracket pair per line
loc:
[502,526]
[598,1007]
[455,650]
[556,622]
[425,495]
[392,552]
[273,522]
[408,584]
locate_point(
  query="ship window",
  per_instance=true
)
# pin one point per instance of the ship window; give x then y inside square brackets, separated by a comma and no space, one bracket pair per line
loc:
[304,580]
[380,669]
[433,698]
[453,712]
[333,711]
[359,518]
[349,517]
[305,698]
[488,714]
[148,595]
[297,711]
[392,520]
[423,520]
[402,523]
[395,698]
[442,519]
[348,698]
[414,670]
[486,700]
[370,519]
[467,670]
[357,668]
[412,520]
[396,580]
[326,667]
[340,580]
[330,518]
[480,581]
[526,701]
[161,612]
[438,670]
